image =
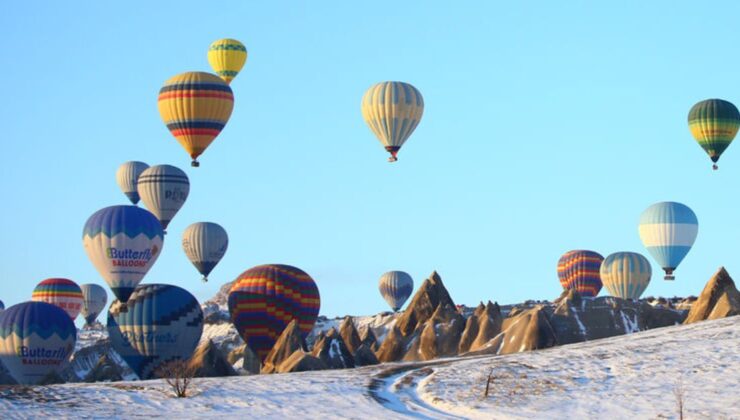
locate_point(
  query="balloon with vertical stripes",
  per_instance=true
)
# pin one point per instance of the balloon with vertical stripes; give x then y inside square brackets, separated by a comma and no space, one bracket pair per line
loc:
[127,175]
[396,287]
[205,243]
[392,110]
[163,190]
[714,124]
[626,275]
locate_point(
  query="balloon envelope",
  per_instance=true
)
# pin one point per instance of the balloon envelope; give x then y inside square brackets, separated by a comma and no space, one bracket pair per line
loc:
[195,106]
[122,242]
[2,305]
[668,230]
[163,323]
[227,57]
[392,110]
[626,275]
[205,244]
[63,293]
[264,299]
[36,340]
[164,189]
[579,270]
[126,177]
[94,302]
[714,124]
[396,287]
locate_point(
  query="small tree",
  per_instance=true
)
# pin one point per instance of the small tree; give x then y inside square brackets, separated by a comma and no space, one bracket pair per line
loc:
[488,382]
[179,376]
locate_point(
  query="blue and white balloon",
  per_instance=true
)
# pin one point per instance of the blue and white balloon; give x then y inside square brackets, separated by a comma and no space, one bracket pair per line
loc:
[396,287]
[36,340]
[123,243]
[163,189]
[127,176]
[205,243]
[163,323]
[668,230]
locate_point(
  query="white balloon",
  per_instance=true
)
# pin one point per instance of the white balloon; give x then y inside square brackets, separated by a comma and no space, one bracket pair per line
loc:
[205,243]
[127,175]
[163,189]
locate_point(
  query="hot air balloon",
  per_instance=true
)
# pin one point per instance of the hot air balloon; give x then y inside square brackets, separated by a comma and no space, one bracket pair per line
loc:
[126,177]
[396,287]
[63,293]
[123,242]
[392,110]
[2,306]
[163,324]
[227,57]
[626,274]
[714,124]
[668,230]
[205,244]
[579,270]
[195,106]
[164,189]
[266,298]
[36,340]
[95,299]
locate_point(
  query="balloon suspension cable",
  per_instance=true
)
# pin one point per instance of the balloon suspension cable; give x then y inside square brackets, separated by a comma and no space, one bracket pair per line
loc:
[195,163]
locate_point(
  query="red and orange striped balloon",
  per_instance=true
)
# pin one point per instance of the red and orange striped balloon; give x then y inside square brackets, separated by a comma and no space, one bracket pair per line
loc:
[266,298]
[579,270]
[63,293]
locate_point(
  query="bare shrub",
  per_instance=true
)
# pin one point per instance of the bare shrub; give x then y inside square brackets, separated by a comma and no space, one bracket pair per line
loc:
[179,376]
[488,382]
[679,392]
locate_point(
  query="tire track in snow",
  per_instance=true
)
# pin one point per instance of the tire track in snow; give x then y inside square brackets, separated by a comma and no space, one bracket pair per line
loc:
[396,390]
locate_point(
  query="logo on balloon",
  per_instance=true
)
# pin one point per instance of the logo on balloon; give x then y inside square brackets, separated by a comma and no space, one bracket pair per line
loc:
[42,355]
[128,257]
[148,337]
[176,194]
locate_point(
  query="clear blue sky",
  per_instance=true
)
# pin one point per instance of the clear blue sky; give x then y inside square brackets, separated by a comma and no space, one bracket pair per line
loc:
[547,127]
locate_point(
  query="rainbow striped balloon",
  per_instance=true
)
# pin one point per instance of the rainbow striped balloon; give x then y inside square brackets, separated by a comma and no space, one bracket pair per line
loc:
[266,298]
[579,270]
[195,106]
[63,293]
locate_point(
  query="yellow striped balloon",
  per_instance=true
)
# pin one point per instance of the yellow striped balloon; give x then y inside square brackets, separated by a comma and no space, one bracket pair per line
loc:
[626,275]
[195,106]
[227,57]
[392,110]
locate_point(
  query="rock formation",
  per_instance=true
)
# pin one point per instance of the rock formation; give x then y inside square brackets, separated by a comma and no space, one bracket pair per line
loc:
[364,356]
[393,347]
[431,294]
[437,336]
[367,337]
[528,330]
[719,299]
[300,361]
[349,334]
[208,361]
[288,343]
[481,327]
[333,352]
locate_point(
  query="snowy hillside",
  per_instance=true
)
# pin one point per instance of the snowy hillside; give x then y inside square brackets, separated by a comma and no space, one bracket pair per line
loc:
[622,377]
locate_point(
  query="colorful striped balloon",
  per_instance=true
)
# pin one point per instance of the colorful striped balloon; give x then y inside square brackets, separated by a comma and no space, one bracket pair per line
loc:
[163,323]
[392,110]
[227,57]
[164,189]
[579,270]
[396,287]
[36,340]
[626,275]
[668,230]
[264,299]
[195,106]
[127,175]
[714,124]
[123,243]
[63,293]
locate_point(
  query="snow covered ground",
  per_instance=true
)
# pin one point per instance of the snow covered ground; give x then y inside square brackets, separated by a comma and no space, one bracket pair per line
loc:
[630,376]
